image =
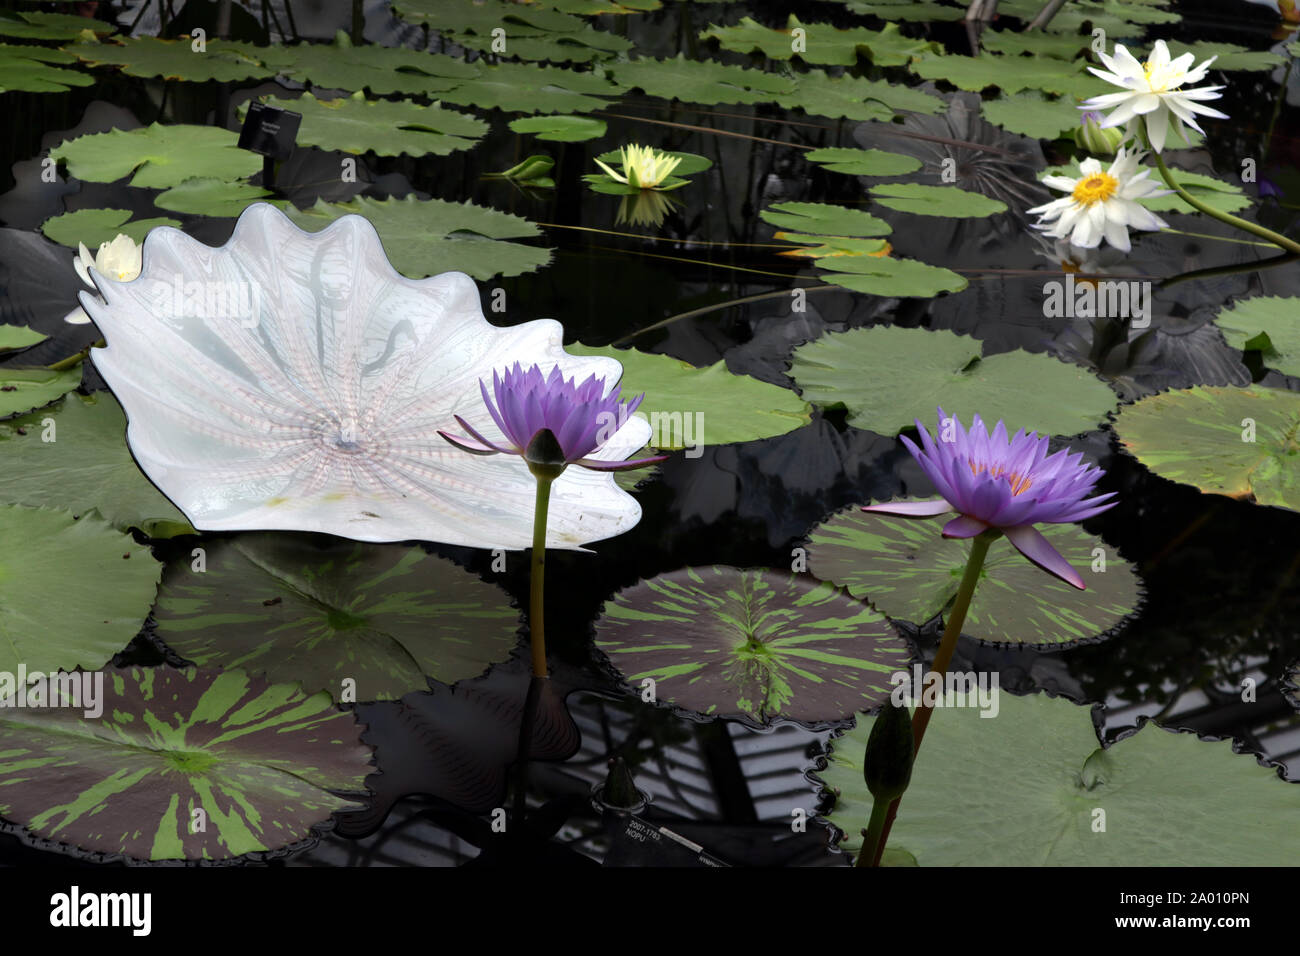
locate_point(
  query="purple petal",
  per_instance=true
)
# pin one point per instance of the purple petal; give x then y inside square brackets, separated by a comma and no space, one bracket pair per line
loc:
[912,509]
[460,443]
[964,526]
[1035,547]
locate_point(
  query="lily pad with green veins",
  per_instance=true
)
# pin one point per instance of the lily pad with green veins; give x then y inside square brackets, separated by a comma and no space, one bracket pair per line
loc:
[225,61]
[560,129]
[211,197]
[820,42]
[1228,56]
[32,69]
[293,607]
[888,377]
[921,200]
[22,389]
[856,98]
[50,623]
[752,643]
[908,570]
[1239,442]
[424,237]
[1266,324]
[33,25]
[159,156]
[1032,114]
[97,226]
[1024,788]
[14,337]
[381,70]
[264,763]
[890,276]
[481,17]
[690,406]
[74,456]
[528,88]
[1036,43]
[386,127]
[1011,74]
[863,162]
[824,219]
[580,46]
[701,81]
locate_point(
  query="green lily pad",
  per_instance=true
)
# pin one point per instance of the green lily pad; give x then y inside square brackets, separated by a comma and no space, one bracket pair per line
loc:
[1198,436]
[528,88]
[1036,42]
[689,406]
[209,197]
[381,70]
[863,162]
[225,61]
[1266,324]
[30,68]
[908,11]
[1011,74]
[1032,114]
[856,98]
[824,219]
[320,611]
[1117,18]
[821,42]
[429,236]
[14,337]
[97,226]
[1033,779]
[923,200]
[828,247]
[259,760]
[385,127]
[49,26]
[160,156]
[22,389]
[580,46]
[908,569]
[1229,56]
[1221,195]
[560,129]
[591,8]
[481,17]
[701,81]
[47,622]
[756,644]
[74,456]
[887,377]
[890,276]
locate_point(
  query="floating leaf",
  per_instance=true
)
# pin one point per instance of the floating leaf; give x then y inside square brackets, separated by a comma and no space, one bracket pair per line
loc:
[1266,324]
[49,621]
[824,219]
[49,26]
[855,98]
[321,611]
[207,197]
[908,569]
[923,200]
[591,8]
[889,276]
[385,127]
[96,226]
[1118,19]
[225,61]
[822,42]
[701,81]
[887,377]
[1011,74]
[28,68]
[754,643]
[581,46]
[19,337]
[560,129]
[826,247]
[1032,114]
[483,16]
[689,406]
[74,456]
[160,156]
[259,759]
[863,162]
[1033,779]
[527,88]
[1036,43]
[1239,442]
[381,70]
[1228,56]
[431,236]
[22,389]
[918,11]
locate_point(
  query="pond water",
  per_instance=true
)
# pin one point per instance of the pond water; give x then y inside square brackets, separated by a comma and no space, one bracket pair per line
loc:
[709,283]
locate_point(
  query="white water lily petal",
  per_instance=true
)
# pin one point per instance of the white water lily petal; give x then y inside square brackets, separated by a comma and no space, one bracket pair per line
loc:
[295,381]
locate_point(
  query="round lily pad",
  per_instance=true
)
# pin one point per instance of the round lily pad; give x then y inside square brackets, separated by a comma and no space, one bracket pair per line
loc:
[75,591]
[181,765]
[1239,442]
[755,644]
[159,156]
[14,337]
[922,200]
[1265,324]
[824,219]
[1033,787]
[324,610]
[909,570]
[560,129]
[863,162]
[701,81]
[22,389]
[96,226]
[888,377]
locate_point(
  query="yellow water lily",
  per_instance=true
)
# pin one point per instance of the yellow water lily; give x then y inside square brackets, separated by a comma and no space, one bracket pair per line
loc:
[644,167]
[119,259]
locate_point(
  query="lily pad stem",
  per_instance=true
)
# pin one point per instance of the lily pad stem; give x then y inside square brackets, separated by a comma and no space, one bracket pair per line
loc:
[75,359]
[536,597]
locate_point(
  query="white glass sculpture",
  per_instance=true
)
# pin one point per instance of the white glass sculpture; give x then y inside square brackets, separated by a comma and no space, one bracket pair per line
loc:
[294,381]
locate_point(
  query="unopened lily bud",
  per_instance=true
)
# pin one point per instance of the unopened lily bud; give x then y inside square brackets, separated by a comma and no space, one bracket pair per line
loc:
[1093,137]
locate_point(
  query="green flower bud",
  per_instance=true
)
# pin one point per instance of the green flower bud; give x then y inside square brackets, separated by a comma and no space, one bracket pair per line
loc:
[1095,139]
[887,767]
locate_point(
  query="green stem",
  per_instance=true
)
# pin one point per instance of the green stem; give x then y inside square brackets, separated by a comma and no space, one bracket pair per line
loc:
[1289,245]
[947,645]
[76,359]
[536,614]
[872,844]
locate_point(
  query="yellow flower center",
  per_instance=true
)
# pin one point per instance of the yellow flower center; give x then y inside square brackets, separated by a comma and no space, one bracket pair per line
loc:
[1019,483]
[1146,72]
[1095,188]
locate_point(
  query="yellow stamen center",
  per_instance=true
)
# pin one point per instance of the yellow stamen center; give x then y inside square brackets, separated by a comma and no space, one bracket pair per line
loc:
[1095,188]
[1019,483]
[1146,72]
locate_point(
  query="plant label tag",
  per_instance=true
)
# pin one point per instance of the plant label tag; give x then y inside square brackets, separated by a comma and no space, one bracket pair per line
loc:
[269,131]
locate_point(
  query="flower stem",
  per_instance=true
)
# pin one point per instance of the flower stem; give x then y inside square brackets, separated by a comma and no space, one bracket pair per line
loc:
[947,645]
[536,602]
[1290,245]
[75,359]
[872,843]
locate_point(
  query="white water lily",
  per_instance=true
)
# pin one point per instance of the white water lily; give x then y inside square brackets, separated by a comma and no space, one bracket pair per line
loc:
[1154,92]
[118,259]
[294,381]
[644,167]
[1102,204]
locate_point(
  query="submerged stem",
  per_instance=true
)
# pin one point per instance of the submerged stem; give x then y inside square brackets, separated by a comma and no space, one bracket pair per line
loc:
[872,843]
[536,613]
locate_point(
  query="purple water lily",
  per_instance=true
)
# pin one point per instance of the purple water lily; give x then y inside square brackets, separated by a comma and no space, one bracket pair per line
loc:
[580,418]
[1007,485]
